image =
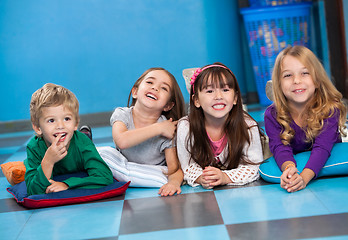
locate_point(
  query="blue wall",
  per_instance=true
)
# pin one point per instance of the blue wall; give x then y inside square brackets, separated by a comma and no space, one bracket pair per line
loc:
[98,48]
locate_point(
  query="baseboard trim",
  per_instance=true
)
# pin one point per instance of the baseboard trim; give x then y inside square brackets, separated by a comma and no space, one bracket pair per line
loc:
[92,119]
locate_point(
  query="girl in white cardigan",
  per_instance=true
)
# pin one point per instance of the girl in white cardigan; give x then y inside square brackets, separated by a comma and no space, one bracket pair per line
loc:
[218,143]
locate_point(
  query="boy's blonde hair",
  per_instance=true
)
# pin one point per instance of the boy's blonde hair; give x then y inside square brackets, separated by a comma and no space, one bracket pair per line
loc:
[325,102]
[52,95]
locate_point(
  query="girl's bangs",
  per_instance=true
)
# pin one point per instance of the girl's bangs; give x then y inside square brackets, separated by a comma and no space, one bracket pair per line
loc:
[217,80]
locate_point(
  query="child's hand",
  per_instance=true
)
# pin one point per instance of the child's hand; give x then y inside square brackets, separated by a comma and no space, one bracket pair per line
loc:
[56,186]
[204,182]
[291,180]
[286,176]
[57,151]
[168,128]
[212,177]
[169,189]
[296,183]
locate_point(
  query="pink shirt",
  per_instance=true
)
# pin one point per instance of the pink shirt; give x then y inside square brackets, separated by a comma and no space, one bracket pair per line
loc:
[218,146]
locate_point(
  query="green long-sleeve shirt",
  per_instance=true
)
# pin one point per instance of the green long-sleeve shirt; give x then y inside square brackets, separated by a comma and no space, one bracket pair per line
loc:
[82,157]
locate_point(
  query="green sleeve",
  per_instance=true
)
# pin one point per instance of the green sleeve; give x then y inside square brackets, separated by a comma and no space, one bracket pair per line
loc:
[82,156]
[35,179]
[88,159]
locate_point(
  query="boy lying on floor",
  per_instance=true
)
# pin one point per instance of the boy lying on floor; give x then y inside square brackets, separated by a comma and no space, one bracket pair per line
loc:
[58,148]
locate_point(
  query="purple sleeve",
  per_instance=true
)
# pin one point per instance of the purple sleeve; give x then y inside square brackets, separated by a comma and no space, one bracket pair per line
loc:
[281,152]
[323,144]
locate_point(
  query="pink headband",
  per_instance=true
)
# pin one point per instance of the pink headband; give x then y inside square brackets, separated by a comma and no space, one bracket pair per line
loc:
[199,70]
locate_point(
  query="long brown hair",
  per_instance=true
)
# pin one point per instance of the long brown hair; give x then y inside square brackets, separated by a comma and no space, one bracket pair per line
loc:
[235,127]
[178,111]
[325,102]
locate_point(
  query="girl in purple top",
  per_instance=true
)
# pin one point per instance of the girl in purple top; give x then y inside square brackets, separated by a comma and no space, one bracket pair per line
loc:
[307,115]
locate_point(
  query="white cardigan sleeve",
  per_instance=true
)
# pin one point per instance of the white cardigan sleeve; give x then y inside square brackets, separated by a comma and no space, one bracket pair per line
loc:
[244,174]
[239,176]
[190,168]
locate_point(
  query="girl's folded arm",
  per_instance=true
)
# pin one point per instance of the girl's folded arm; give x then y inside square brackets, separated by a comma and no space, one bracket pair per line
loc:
[243,174]
[323,144]
[192,174]
[171,160]
[125,138]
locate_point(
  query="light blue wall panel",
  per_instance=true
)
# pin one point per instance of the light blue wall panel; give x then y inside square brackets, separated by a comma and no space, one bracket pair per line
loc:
[98,48]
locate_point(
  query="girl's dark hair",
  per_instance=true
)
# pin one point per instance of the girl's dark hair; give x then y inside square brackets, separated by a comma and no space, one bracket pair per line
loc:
[236,128]
[178,111]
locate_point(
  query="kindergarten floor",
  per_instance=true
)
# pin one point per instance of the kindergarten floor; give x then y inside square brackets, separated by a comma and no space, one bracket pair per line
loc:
[256,211]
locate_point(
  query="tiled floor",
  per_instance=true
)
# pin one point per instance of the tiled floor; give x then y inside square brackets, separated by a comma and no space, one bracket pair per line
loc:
[256,211]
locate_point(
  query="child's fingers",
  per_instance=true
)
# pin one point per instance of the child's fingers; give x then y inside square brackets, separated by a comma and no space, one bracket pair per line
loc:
[293,183]
[212,178]
[283,183]
[62,149]
[206,182]
[164,193]
[57,187]
[284,180]
[215,183]
[58,144]
[296,178]
[63,144]
[56,141]
[168,191]
[210,170]
[207,178]
[286,173]
[203,180]
[285,176]
[207,173]
[296,187]
[49,189]
[161,190]
[212,181]
[207,186]
[291,172]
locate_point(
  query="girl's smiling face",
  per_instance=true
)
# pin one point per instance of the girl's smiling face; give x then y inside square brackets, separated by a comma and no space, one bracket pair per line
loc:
[216,101]
[155,91]
[296,82]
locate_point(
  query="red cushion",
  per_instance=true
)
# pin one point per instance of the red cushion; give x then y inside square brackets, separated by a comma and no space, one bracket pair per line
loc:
[70,196]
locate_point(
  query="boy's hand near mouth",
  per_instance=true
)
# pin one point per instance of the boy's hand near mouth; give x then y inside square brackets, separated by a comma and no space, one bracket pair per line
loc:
[57,151]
